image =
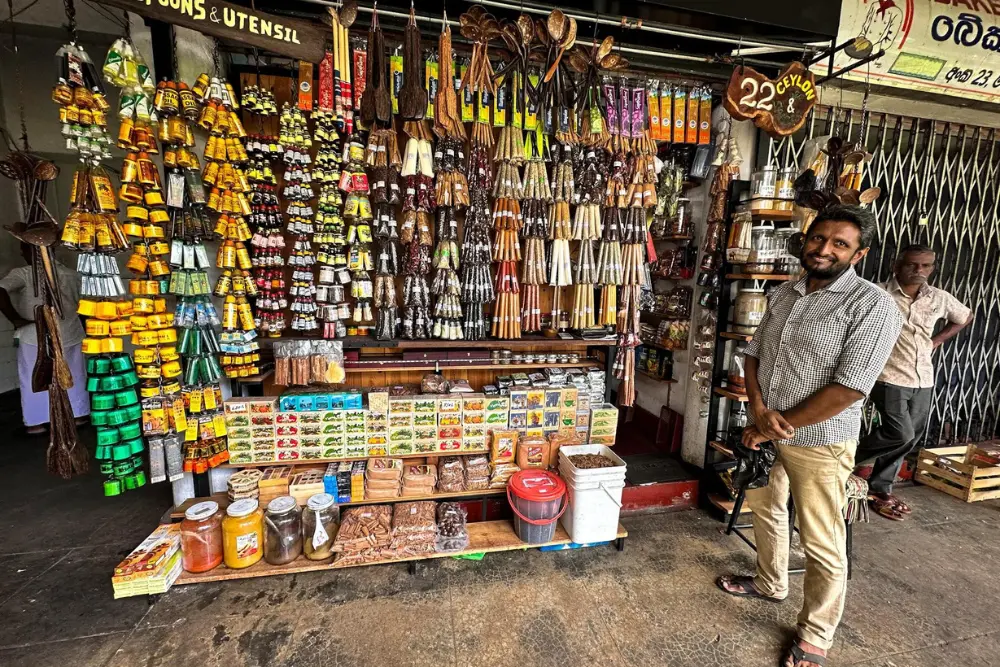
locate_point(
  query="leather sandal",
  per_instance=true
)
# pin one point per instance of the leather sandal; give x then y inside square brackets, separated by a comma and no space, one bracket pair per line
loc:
[746,583]
[902,507]
[798,654]
[886,508]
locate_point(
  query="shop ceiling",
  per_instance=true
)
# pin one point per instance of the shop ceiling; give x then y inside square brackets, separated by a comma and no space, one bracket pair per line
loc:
[696,37]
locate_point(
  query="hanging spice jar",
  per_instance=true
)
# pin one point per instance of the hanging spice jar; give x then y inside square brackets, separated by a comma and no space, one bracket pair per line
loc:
[83,107]
[297,193]
[357,214]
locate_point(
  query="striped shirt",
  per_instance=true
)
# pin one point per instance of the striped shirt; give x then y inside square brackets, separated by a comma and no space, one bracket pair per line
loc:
[842,333]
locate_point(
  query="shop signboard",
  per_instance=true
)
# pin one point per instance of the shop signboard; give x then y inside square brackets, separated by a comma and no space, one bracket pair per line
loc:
[277,34]
[778,106]
[949,47]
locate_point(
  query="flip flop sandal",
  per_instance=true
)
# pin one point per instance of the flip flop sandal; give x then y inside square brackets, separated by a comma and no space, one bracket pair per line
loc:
[886,508]
[799,654]
[746,583]
[901,507]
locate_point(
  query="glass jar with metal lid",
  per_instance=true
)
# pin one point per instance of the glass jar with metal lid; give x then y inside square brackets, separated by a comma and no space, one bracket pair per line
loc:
[749,309]
[243,534]
[201,537]
[282,531]
[784,198]
[762,188]
[319,526]
[785,262]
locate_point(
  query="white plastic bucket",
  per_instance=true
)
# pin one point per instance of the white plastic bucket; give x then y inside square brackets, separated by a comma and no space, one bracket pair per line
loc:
[594,510]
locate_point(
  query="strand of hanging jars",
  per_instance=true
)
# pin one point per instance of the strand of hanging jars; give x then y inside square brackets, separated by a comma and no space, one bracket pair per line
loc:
[225,159]
[329,232]
[92,228]
[297,193]
[268,242]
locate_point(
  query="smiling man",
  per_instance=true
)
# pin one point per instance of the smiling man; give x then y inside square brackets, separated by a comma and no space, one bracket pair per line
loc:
[814,358]
[904,391]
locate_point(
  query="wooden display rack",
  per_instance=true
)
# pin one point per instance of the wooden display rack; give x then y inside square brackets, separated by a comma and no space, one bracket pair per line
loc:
[484,537]
[945,469]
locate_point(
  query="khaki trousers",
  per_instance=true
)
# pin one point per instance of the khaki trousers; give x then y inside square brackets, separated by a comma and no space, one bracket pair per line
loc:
[816,478]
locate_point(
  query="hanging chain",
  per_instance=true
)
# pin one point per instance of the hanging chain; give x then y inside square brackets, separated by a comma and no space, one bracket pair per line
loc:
[17,74]
[71,18]
[128,26]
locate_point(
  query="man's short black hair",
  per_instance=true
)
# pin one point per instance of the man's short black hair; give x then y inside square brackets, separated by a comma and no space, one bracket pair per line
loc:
[918,248]
[860,216]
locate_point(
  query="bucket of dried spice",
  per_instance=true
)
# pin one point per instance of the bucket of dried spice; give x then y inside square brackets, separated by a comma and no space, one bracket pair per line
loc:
[595,479]
[538,498]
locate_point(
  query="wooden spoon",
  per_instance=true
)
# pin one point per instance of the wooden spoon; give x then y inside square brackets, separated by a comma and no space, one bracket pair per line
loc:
[348,13]
[556,25]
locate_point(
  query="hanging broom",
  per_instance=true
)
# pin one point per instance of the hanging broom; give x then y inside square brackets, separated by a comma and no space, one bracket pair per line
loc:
[65,457]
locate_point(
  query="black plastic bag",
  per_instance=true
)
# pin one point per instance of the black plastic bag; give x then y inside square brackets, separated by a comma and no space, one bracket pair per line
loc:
[753,466]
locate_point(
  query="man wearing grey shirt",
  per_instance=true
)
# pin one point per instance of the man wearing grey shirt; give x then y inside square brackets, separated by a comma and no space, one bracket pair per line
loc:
[815,356]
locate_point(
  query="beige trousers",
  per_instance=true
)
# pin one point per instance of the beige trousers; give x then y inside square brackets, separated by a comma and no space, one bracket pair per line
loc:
[816,478]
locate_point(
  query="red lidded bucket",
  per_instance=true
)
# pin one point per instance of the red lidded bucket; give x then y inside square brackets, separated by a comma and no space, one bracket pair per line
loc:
[538,498]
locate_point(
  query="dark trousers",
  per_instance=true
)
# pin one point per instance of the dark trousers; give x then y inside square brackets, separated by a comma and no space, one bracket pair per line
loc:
[904,413]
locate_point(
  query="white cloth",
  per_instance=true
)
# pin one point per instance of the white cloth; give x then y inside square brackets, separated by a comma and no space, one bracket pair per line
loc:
[35,407]
[18,284]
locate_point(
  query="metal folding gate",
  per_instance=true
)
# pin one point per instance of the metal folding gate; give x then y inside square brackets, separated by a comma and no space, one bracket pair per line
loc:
[940,186]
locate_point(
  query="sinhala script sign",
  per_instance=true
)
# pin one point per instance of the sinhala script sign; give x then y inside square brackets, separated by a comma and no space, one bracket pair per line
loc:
[950,47]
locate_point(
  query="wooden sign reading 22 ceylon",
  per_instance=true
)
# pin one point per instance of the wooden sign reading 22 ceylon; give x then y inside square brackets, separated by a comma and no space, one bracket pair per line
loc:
[777,106]
[277,34]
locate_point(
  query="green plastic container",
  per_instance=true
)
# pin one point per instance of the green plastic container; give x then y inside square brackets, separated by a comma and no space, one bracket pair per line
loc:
[131,378]
[107,437]
[126,397]
[134,412]
[99,417]
[121,364]
[117,417]
[112,383]
[112,487]
[107,468]
[135,445]
[103,453]
[120,452]
[129,431]
[102,401]
[93,383]
[102,366]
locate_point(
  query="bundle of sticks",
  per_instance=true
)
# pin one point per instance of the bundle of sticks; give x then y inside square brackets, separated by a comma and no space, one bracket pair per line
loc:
[474,273]
[507,224]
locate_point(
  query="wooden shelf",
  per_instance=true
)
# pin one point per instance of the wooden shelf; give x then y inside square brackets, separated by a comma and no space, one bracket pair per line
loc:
[484,537]
[760,276]
[654,378]
[529,340]
[463,367]
[660,347]
[177,512]
[724,504]
[772,214]
[721,447]
[731,395]
[305,462]
[736,336]
[675,239]
[254,379]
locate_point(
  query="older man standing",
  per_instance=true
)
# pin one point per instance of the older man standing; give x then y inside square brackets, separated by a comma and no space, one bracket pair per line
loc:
[815,356]
[904,391]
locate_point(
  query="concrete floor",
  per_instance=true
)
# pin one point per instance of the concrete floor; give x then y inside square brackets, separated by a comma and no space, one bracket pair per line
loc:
[923,593]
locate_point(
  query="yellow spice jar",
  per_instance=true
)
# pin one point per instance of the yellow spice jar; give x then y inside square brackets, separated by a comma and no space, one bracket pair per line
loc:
[243,534]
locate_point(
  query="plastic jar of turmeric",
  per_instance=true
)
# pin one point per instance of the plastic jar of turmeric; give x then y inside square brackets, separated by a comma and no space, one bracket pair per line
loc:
[243,534]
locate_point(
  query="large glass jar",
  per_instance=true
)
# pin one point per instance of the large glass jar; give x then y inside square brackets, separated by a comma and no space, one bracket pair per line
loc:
[763,250]
[201,537]
[319,526]
[737,374]
[243,534]
[785,262]
[282,531]
[785,190]
[749,309]
[763,184]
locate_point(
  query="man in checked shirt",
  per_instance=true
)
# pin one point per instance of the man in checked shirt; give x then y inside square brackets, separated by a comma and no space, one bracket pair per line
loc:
[815,356]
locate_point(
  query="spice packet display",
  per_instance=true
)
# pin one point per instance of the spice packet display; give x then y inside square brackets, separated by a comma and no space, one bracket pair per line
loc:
[452,530]
[414,528]
[503,446]
[365,535]
[305,362]
[477,472]
[500,473]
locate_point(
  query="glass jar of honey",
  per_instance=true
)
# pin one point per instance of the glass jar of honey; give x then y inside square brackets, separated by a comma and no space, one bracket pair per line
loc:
[201,537]
[243,534]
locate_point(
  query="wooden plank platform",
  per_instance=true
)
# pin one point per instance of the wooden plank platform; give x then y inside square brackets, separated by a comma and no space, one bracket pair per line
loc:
[484,537]
[772,214]
[731,395]
[403,367]
[176,512]
[727,505]
[945,469]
